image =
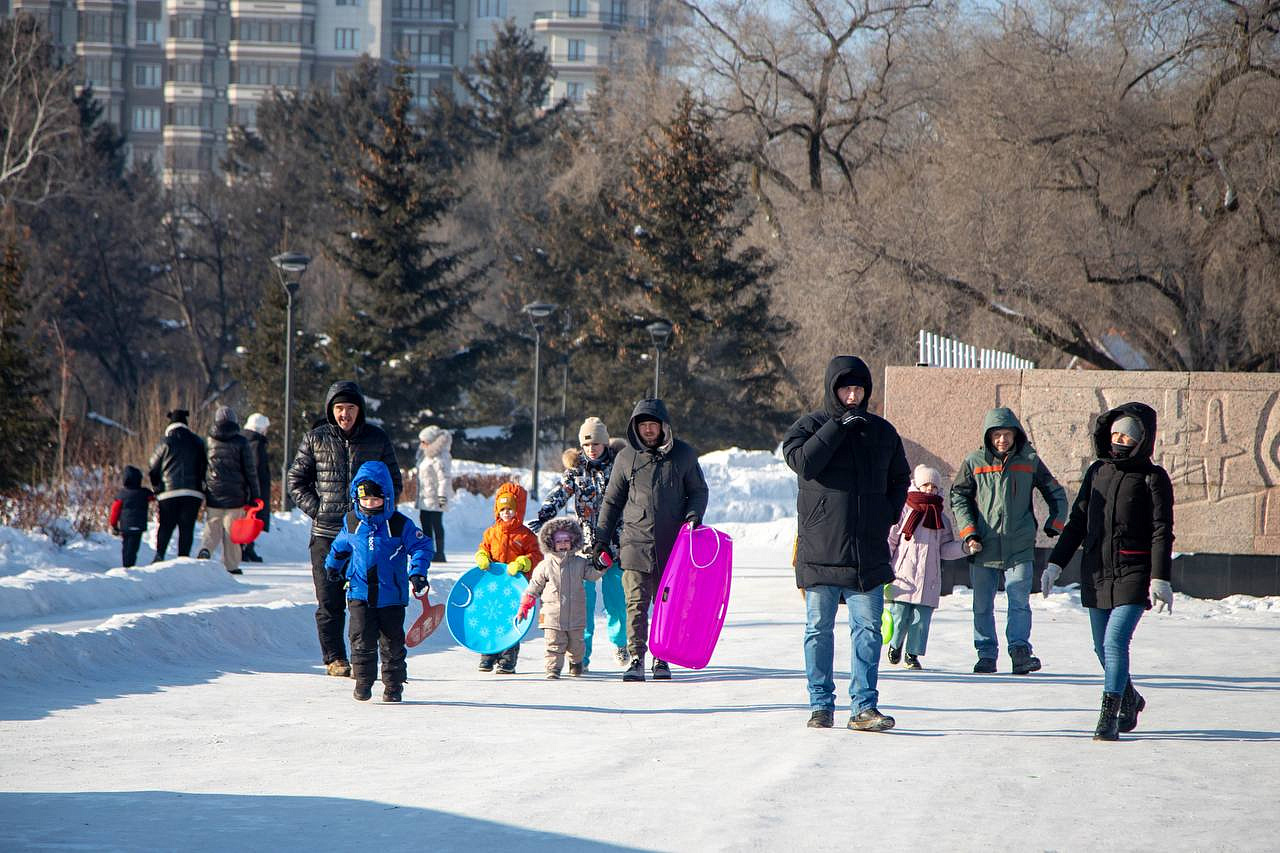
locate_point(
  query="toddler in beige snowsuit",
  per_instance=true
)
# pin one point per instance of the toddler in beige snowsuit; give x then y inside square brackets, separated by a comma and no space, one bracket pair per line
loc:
[558,580]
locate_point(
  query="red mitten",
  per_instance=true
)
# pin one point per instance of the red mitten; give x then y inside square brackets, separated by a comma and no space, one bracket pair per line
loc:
[526,604]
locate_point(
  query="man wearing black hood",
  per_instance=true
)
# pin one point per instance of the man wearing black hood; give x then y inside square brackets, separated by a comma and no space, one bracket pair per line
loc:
[853,479]
[655,487]
[231,484]
[319,483]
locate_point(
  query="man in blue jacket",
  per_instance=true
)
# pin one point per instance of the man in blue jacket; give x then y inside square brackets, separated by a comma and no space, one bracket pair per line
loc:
[381,554]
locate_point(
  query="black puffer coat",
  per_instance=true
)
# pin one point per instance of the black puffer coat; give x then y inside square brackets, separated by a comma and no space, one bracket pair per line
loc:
[652,491]
[852,486]
[327,460]
[1123,516]
[178,463]
[258,444]
[232,478]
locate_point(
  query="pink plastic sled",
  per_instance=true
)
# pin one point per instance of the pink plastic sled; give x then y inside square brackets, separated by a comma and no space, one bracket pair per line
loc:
[692,598]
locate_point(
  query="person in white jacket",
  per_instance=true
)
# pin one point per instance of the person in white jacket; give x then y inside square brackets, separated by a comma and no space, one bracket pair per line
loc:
[918,543]
[434,473]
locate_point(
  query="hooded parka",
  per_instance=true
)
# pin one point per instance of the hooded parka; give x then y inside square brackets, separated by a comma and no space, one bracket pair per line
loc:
[328,459]
[435,470]
[1123,516]
[231,480]
[652,491]
[379,551]
[991,496]
[557,580]
[852,486]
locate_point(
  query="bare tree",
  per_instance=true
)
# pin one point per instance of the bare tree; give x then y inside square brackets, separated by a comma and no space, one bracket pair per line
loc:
[823,73]
[1097,177]
[36,112]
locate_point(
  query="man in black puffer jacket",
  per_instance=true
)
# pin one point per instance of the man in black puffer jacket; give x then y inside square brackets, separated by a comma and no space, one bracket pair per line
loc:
[319,482]
[231,483]
[655,487]
[853,479]
[177,477]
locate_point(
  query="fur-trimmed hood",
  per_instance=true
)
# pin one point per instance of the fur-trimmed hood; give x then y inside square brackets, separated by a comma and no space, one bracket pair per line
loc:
[547,533]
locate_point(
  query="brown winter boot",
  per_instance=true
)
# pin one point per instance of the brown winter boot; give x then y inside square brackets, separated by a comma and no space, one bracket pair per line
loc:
[339,668]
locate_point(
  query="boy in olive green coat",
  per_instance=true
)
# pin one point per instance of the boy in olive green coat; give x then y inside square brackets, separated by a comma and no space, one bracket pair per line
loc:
[991,501]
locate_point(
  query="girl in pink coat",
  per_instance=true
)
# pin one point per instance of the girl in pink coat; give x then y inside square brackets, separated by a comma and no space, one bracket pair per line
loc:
[918,543]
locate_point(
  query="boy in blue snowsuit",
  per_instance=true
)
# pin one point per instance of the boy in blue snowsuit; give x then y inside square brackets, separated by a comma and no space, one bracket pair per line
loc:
[383,554]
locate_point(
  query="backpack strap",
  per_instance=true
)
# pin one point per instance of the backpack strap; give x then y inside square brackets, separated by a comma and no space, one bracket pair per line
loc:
[396,524]
[353,521]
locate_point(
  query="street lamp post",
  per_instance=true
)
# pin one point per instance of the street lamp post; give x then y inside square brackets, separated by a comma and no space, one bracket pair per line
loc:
[538,313]
[660,332]
[291,266]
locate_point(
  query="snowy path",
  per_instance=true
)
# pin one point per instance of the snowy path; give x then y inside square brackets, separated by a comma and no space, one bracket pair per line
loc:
[201,720]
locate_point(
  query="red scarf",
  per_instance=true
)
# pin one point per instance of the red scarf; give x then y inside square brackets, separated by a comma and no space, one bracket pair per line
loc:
[926,509]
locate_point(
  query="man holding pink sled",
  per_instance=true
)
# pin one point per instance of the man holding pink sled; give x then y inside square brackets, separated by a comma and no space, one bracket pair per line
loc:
[656,486]
[853,478]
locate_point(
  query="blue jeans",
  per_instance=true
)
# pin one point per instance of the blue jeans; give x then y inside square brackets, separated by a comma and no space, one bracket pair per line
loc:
[1112,633]
[865,608]
[615,608]
[1017,589]
[910,626]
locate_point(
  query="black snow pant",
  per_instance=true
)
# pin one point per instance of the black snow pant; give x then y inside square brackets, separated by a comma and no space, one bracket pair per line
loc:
[505,660]
[639,588]
[432,524]
[181,513]
[331,602]
[375,629]
[129,542]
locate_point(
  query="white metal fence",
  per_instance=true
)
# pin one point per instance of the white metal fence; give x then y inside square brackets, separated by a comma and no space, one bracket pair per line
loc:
[937,351]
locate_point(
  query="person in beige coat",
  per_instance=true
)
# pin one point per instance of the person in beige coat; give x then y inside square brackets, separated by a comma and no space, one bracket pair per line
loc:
[558,580]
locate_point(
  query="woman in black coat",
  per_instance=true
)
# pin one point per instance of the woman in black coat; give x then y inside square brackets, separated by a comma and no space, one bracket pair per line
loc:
[1123,516]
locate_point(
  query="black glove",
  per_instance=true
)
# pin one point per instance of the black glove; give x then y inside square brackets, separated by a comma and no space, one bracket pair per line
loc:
[853,418]
[333,575]
[544,515]
[419,583]
[693,518]
[602,559]
[1051,531]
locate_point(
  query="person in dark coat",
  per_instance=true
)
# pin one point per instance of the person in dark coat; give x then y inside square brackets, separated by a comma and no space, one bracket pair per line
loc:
[177,476]
[655,487]
[853,478]
[1123,515]
[255,432]
[320,478]
[128,517]
[231,484]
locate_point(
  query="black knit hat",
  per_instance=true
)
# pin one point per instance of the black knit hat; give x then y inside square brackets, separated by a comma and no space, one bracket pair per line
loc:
[178,416]
[345,397]
[368,489]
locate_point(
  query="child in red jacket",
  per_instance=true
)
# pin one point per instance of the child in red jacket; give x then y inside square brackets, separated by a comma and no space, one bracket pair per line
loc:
[128,518]
[508,541]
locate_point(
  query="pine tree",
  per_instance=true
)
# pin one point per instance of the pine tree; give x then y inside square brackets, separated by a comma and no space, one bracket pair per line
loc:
[399,337]
[508,93]
[25,433]
[679,213]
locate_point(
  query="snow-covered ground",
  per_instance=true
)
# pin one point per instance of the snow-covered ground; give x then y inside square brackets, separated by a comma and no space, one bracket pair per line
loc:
[176,707]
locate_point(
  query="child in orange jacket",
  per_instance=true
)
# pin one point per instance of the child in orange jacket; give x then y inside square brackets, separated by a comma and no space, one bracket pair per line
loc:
[508,541]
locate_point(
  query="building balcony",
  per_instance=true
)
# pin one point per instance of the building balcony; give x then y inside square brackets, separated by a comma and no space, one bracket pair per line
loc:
[586,20]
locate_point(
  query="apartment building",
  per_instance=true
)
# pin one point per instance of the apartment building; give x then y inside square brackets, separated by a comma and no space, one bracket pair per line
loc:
[174,75]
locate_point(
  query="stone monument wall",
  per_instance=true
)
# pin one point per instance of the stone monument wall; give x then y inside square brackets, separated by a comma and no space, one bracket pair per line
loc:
[1218,436]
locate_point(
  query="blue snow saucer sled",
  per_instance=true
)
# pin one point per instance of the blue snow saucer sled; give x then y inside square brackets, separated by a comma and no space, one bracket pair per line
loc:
[482,607]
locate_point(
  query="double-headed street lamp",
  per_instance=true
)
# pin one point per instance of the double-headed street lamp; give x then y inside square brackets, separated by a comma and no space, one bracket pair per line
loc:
[660,332]
[538,313]
[290,267]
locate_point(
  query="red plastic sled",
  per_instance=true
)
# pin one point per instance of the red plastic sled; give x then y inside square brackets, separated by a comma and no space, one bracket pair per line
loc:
[693,598]
[245,530]
[432,616]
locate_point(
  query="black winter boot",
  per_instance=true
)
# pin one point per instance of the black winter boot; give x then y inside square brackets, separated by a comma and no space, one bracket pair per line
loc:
[635,672]
[249,555]
[821,719]
[1109,718]
[661,670]
[1023,661]
[392,692]
[894,655]
[985,665]
[362,692]
[1131,704]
